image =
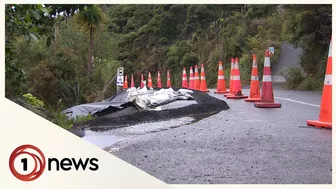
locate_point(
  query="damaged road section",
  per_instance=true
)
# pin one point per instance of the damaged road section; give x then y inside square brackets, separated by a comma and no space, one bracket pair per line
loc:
[141,99]
[136,106]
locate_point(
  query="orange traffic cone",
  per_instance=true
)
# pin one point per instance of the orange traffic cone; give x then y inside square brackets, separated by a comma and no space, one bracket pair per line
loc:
[168,79]
[149,83]
[231,84]
[221,86]
[125,86]
[142,81]
[203,87]
[159,85]
[267,96]
[196,79]
[236,88]
[325,111]
[191,78]
[184,79]
[132,81]
[255,86]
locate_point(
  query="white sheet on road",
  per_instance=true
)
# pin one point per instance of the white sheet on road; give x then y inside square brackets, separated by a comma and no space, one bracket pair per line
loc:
[147,99]
[143,98]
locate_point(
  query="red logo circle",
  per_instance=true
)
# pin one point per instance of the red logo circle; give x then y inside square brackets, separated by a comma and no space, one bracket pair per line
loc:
[38,161]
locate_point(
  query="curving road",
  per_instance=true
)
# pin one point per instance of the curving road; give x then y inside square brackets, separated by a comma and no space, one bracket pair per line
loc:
[242,145]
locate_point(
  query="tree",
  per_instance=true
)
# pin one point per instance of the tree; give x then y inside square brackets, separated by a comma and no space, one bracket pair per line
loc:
[90,20]
[31,21]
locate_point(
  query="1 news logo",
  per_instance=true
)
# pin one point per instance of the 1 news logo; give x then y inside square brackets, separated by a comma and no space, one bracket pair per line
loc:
[27,158]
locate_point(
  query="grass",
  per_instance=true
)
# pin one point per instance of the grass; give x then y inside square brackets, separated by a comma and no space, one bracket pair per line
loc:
[56,116]
[295,79]
[63,121]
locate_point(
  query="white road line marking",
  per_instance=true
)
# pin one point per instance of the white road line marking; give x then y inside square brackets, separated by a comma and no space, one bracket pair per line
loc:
[298,102]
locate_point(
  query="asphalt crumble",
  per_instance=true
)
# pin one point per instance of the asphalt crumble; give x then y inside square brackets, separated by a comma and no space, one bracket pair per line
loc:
[206,106]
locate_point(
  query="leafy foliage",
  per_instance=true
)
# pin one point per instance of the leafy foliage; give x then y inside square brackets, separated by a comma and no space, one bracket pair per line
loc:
[63,121]
[33,100]
[49,48]
[89,21]
[294,77]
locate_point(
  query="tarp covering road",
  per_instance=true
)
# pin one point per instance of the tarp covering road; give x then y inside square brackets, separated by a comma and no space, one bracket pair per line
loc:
[142,98]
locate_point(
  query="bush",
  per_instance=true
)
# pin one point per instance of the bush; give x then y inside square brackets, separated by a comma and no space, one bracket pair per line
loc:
[62,120]
[311,84]
[190,59]
[294,77]
[32,100]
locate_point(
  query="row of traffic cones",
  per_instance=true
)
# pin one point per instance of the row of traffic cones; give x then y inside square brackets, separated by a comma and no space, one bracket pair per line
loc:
[195,82]
[266,99]
[149,81]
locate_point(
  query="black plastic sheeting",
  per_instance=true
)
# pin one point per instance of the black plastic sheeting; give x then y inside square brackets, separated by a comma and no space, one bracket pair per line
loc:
[121,101]
[206,106]
[112,104]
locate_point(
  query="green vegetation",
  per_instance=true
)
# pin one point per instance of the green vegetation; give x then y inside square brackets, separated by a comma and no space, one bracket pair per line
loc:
[32,100]
[37,106]
[71,58]
[294,77]
[62,120]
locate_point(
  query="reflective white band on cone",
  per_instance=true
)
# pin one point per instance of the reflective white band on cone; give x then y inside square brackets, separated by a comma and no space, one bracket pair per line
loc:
[235,77]
[202,78]
[221,77]
[254,78]
[254,64]
[220,67]
[184,79]
[328,80]
[267,78]
[267,62]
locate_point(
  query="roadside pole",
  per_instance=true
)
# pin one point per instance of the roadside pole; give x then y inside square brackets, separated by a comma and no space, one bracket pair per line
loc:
[120,79]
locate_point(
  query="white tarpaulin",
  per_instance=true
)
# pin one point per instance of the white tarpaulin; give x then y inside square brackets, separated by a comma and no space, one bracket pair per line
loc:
[146,99]
[141,97]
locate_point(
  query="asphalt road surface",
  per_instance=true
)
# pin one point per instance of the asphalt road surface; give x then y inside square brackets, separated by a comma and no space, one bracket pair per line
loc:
[242,145]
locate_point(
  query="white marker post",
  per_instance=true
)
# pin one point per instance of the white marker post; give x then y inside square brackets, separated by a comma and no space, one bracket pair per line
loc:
[120,79]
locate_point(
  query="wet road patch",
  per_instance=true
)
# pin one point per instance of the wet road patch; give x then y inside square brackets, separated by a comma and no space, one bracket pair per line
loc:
[203,105]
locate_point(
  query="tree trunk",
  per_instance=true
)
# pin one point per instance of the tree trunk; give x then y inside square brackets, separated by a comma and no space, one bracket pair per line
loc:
[56,38]
[90,54]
